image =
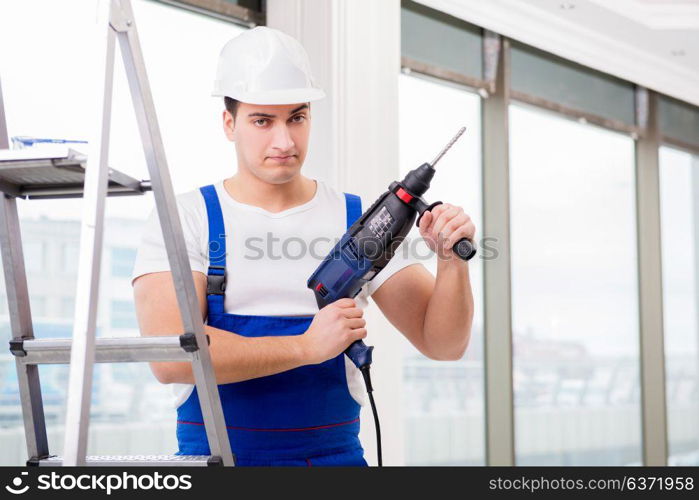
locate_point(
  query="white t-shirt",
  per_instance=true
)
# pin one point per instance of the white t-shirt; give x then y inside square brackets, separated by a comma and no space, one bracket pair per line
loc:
[269,256]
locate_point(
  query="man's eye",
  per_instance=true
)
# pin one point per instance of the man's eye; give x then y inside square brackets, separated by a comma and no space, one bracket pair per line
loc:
[298,116]
[260,120]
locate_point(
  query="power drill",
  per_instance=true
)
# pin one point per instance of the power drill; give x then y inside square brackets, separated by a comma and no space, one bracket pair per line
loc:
[368,245]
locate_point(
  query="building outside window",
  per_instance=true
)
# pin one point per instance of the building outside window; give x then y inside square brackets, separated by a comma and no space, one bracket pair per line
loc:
[574,292]
[197,152]
[122,314]
[34,256]
[122,261]
[443,401]
[679,209]
[67,307]
[574,265]
[70,254]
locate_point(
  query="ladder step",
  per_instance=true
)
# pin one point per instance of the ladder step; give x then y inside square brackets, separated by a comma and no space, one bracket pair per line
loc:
[58,173]
[107,350]
[136,460]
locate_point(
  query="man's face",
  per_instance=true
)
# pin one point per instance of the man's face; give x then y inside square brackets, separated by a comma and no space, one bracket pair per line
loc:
[271,140]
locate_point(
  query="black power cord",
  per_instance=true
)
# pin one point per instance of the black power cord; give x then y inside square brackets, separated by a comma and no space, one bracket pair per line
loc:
[369,389]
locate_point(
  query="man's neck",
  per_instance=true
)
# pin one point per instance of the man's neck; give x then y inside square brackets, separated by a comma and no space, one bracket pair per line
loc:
[248,189]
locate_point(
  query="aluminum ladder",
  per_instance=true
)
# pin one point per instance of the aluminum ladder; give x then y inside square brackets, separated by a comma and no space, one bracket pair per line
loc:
[28,175]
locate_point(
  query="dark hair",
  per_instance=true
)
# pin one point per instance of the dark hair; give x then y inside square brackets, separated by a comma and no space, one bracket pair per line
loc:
[231,106]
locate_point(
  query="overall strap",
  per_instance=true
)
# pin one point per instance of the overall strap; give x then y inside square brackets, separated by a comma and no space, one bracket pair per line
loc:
[353,204]
[216,274]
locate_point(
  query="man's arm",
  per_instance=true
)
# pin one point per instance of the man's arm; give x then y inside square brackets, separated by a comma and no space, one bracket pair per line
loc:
[434,314]
[235,357]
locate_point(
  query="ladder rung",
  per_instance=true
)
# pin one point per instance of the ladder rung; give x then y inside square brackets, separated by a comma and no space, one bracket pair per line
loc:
[56,174]
[136,460]
[107,350]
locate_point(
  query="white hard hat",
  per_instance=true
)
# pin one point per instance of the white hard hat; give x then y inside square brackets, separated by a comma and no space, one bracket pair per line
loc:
[265,66]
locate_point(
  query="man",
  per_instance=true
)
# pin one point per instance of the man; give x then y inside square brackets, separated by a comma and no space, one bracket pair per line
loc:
[289,394]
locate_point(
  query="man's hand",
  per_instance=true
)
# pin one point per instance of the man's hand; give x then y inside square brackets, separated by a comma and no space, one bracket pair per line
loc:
[443,226]
[332,330]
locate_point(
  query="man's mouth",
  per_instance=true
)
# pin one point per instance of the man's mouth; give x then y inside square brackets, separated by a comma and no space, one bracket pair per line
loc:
[281,158]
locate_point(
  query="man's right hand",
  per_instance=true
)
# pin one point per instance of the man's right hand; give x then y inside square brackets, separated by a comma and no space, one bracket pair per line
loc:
[333,329]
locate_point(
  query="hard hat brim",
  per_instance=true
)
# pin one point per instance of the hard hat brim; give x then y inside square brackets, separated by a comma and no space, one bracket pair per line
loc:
[287,96]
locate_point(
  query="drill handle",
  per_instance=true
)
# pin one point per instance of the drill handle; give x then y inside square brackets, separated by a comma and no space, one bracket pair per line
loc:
[464,248]
[359,353]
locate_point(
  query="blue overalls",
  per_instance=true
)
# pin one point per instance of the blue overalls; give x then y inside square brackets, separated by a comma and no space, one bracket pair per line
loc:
[300,417]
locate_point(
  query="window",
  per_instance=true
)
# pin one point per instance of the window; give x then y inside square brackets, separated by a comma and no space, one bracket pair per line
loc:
[574,293]
[37,306]
[34,256]
[444,402]
[679,203]
[123,314]
[67,308]
[181,50]
[123,260]
[70,254]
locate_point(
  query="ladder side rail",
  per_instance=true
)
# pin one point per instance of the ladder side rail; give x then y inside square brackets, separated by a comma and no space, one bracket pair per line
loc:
[166,204]
[21,326]
[91,239]
[20,312]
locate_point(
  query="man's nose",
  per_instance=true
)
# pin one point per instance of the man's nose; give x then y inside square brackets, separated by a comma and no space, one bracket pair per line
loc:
[282,139]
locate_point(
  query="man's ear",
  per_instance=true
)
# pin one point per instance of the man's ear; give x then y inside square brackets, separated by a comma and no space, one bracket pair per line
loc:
[228,125]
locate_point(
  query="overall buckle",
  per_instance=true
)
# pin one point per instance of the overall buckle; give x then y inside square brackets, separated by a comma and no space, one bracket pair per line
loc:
[216,280]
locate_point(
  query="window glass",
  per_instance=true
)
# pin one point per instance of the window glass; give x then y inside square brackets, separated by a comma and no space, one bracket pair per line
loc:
[123,260]
[574,293]
[123,314]
[131,411]
[67,307]
[70,254]
[679,204]
[34,256]
[444,400]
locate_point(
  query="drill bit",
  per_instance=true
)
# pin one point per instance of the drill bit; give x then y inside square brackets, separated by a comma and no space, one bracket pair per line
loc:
[446,148]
